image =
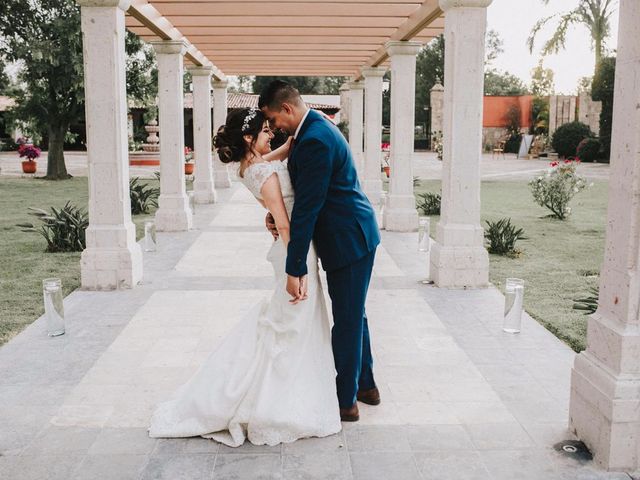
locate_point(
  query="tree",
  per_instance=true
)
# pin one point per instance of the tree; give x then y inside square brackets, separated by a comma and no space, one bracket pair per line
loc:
[493,47]
[595,15]
[602,90]
[45,37]
[429,71]
[542,84]
[503,83]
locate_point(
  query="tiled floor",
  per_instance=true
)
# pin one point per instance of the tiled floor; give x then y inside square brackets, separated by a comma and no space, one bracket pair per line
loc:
[461,399]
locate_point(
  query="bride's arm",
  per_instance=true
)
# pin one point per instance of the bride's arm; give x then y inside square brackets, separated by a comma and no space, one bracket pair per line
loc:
[279,153]
[272,198]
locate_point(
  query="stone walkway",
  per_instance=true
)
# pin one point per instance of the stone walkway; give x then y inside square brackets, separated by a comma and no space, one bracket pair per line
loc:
[461,399]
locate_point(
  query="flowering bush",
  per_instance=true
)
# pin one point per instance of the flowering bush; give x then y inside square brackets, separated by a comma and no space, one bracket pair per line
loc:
[555,189]
[436,144]
[188,154]
[386,152]
[28,150]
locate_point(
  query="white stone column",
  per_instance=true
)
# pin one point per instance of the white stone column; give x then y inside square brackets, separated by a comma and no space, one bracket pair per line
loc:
[459,258]
[356,118]
[344,103]
[400,213]
[173,213]
[605,380]
[203,186]
[220,171]
[436,102]
[372,183]
[112,258]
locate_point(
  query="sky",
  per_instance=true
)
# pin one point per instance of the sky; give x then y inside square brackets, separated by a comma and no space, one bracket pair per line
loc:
[513,20]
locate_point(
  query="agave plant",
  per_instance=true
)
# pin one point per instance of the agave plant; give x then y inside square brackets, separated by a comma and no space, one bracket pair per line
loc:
[63,228]
[142,196]
[502,236]
[429,203]
[588,304]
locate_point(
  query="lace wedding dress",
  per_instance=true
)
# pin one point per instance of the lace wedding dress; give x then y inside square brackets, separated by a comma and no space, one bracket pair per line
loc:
[272,379]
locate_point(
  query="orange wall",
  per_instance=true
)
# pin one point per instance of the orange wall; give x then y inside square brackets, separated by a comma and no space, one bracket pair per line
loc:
[496,108]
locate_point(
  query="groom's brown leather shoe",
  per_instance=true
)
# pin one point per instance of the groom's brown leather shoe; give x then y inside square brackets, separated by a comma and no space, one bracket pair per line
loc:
[370,397]
[350,414]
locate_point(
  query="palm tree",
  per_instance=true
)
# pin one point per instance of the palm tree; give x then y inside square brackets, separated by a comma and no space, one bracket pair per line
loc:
[593,14]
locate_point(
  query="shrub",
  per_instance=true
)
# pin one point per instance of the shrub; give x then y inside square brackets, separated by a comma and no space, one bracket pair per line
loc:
[142,196]
[567,137]
[502,237]
[63,229]
[588,150]
[602,90]
[557,187]
[588,304]
[429,203]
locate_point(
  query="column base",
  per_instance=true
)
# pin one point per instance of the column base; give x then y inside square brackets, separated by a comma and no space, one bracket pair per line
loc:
[204,192]
[603,411]
[373,191]
[112,259]
[400,220]
[222,179]
[459,266]
[174,214]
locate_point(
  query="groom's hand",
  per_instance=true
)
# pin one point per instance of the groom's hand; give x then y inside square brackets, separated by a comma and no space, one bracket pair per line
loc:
[297,288]
[270,223]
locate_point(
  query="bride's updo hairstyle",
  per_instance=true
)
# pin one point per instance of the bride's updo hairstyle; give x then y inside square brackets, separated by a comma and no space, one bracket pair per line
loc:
[229,140]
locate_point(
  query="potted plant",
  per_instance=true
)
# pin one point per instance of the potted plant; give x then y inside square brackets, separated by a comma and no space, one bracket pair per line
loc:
[188,161]
[31,152]
[386,151]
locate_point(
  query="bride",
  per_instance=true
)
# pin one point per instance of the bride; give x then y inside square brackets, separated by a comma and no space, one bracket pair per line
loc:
[272,379]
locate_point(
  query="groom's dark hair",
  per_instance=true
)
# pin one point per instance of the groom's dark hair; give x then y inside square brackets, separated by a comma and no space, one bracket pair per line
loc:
[277,93]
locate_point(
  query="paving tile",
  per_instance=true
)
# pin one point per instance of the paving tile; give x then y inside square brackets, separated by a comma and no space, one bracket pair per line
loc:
[56,440]
[321,466]
[38,467]
[506,436]
[110,467]
[113,441]
[452,465]
[438,437]
[332,444]
[248,467]
[249,448]
[384,466]
[179,467]
[532,464]
[372,438]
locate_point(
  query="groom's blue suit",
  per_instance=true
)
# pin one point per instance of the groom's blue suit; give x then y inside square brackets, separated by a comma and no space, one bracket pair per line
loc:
[331,209]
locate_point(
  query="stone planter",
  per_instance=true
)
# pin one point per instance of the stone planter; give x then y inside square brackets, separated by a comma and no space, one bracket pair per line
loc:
[188,168]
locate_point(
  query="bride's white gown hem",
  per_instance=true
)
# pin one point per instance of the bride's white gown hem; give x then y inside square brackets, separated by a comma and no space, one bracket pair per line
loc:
[272,379]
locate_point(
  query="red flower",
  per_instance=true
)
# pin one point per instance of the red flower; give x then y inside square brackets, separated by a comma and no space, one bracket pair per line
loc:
[554,164]
[567,161]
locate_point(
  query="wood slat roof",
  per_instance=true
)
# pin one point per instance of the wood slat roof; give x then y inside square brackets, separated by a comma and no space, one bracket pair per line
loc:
[286,37]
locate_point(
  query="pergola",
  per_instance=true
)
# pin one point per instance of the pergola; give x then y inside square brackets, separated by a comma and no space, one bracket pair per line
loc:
[360,39]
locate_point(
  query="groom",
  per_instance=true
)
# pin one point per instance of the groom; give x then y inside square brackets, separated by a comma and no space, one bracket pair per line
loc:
[330,209]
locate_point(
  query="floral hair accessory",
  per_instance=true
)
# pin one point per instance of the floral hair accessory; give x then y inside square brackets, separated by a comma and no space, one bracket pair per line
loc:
[250,116]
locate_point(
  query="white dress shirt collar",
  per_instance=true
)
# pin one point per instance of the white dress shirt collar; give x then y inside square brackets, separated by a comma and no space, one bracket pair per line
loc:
[295,135]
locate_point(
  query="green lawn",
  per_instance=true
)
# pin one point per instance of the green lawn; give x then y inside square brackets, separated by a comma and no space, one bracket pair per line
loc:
[559,261]
[22,255]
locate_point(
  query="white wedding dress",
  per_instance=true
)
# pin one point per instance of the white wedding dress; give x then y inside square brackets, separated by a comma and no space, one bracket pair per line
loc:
[272,378]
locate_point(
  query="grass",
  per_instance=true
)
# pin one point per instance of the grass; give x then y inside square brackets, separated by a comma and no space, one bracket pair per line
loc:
[560,260]
[22,255]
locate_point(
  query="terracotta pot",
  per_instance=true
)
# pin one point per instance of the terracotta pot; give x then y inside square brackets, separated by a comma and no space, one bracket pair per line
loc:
[188,168]
[29,166]
[387,170]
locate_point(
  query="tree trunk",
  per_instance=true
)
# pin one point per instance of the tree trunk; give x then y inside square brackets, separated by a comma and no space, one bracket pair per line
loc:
[598,49]
[56,168]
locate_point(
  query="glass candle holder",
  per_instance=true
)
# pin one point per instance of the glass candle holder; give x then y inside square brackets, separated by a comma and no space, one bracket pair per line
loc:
[53,307]
[424,226]
[513,298]
[149,237]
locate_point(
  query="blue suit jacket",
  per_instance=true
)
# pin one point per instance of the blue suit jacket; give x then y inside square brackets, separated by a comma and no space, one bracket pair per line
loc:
[330,207]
